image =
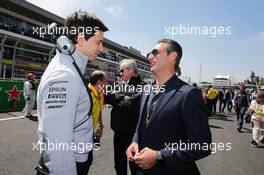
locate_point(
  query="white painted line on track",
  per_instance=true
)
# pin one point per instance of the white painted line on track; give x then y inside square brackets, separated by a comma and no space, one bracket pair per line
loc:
[12,118]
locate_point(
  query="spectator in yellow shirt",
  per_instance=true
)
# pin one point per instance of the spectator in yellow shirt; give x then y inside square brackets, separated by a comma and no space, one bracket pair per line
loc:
[97,83]
[211,99]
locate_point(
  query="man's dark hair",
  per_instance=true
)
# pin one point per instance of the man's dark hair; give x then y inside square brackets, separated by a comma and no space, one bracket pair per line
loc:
[260,98]
[96,76]
[242,85]
[79,20]
[173,46]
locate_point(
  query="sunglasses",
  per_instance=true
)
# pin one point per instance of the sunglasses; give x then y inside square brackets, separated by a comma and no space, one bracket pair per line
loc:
[154,52]
[121,71]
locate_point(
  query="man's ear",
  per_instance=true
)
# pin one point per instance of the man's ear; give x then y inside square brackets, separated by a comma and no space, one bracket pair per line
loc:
[173,56]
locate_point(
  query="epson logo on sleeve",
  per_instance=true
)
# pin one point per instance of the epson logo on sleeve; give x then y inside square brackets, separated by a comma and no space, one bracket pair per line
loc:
[57,95]
[57,89]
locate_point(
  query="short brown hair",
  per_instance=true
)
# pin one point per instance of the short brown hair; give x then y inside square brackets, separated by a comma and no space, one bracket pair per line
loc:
[173,46]
[81,19]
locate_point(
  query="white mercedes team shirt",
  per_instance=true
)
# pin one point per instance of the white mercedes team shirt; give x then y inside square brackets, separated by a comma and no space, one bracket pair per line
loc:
[65,129]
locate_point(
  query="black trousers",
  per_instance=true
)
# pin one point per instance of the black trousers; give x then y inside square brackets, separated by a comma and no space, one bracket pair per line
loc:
[121,143]
[222,102]
[240,112]
[209,105]
[229,105]
[214,101]
[83,167]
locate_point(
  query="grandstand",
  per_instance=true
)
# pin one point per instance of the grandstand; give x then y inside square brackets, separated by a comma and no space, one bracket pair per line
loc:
[23,50]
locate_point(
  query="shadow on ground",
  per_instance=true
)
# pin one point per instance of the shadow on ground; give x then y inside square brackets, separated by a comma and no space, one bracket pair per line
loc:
[221,117]
[33,118]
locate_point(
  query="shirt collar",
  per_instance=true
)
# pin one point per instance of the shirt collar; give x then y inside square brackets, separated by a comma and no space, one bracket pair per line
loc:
[81,60]
[168,85]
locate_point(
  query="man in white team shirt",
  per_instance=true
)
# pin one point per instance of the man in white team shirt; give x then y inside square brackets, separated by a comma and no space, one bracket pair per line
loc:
[65,127]
[29,95]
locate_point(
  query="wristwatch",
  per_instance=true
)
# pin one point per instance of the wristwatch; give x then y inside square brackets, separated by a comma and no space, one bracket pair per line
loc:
[159,156]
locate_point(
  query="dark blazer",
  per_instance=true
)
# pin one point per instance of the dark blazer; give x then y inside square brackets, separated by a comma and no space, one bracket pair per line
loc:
[124,114]
[179,117]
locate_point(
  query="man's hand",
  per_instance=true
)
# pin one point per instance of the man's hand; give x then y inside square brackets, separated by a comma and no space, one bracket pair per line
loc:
[99,132]
[126,97]
[146,158]
[132,151]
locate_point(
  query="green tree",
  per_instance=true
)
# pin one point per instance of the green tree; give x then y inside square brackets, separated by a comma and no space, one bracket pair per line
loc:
[247,81]
[257,80]
[253,77]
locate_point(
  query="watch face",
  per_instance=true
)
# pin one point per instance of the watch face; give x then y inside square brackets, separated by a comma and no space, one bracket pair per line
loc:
[159,156]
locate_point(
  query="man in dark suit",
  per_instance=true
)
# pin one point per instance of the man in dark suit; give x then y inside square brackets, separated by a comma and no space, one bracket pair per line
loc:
[124,114]
[173,130]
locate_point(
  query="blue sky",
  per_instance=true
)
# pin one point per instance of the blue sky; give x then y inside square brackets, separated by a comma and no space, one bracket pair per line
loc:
[141,23]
